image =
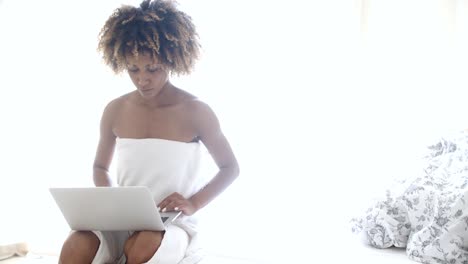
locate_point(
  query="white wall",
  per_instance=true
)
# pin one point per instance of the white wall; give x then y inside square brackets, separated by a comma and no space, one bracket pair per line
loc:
[320,115]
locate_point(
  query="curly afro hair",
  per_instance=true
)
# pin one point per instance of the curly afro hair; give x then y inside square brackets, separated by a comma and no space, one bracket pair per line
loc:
[156,27]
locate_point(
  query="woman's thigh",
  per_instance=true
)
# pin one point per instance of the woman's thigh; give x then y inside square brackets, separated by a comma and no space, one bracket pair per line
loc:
[173,246]
[80,246]
[142,245]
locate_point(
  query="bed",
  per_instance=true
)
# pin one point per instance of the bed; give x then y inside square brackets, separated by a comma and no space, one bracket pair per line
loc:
[362,255]
[336,245]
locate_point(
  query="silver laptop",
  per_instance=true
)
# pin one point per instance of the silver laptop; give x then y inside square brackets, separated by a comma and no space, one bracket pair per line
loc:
[111,209]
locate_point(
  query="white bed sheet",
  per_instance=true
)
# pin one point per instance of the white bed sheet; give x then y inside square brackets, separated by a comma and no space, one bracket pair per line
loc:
[365,254]
[357,251]
[354,254]
[351,252]
[339,245]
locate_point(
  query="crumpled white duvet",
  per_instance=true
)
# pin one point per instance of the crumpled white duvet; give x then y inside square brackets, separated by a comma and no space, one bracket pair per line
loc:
[427,214]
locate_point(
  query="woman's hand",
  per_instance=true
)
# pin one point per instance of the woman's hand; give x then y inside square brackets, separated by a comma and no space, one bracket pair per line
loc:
[176,202]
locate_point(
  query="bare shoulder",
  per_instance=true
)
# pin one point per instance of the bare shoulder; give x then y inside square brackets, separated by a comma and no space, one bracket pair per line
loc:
[199,109]
[192,104]
[180,96]
[114,105]
[111,112]
[204,119]
[196,104]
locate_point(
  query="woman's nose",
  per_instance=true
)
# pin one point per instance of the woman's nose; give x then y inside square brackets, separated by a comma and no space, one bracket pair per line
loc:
[143,79]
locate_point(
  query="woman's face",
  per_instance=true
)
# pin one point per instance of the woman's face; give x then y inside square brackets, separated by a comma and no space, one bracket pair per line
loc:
[148,75]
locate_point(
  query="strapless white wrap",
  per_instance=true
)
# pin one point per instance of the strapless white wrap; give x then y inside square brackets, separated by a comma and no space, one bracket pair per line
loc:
[164,166]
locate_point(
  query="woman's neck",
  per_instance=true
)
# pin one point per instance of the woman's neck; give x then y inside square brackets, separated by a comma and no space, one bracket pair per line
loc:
[160,100]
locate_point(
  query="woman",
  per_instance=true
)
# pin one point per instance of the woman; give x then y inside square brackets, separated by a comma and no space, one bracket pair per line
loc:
[156,131]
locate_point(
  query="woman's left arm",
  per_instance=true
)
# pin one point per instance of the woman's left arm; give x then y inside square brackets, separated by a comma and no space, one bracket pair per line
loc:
[209,132]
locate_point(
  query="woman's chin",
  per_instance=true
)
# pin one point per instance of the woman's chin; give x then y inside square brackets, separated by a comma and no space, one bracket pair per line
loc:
[147,94]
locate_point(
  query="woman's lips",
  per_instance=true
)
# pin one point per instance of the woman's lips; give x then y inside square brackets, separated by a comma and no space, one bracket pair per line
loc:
[146,90]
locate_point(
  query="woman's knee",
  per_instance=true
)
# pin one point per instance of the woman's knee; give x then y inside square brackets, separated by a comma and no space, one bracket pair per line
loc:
[79,245]
[143,246]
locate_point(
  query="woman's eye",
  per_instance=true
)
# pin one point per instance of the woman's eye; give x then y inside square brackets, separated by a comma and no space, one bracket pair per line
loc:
[153,69]
[132,70]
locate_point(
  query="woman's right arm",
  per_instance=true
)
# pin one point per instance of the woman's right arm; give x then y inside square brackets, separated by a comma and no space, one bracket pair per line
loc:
[105,149]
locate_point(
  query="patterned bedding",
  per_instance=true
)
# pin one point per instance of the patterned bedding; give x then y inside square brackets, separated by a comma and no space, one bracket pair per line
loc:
[427,214]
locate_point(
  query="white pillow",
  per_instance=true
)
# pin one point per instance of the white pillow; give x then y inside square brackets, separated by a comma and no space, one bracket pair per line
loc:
[10,250]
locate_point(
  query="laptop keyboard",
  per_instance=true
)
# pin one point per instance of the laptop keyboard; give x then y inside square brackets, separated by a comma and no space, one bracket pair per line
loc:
[164,218]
